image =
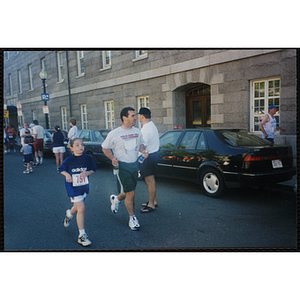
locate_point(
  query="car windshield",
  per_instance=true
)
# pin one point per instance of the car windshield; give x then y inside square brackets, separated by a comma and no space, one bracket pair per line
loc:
[98,136]
[238,138]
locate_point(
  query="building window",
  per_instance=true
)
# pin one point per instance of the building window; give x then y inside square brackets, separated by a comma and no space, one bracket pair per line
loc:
[20,82]
[59,66]
[263,94]
[140,54]
[10,87]
[106,59]
[142,101]
[30,77]
[109,114]
[33,113]
[80,56]
[64,121]
[84,116]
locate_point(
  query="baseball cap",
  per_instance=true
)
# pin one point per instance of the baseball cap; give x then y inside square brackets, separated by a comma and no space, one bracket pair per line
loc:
[272,106]
[144,111]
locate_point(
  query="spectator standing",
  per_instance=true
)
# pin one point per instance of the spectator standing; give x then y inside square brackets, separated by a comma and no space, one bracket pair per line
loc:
[268,125]
[28,157]
[122,146]
[73,132]
[76,168]
[38,134]
[11,137]
[59,149]
[148,167]
[4,139]
[22,132]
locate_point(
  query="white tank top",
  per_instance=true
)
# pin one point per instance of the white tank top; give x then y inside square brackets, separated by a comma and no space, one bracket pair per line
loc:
[270,127]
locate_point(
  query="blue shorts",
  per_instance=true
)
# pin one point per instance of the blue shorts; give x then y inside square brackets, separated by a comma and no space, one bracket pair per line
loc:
[28,158]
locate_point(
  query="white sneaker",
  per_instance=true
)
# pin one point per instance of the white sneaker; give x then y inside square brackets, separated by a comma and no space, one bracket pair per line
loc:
[134,223]
[26,171]
[41,161]
[83,240]
[67,220]
[114,203]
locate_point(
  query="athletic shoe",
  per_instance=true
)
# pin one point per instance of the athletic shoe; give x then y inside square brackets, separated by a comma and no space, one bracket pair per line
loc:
[134,224]
[67,220]
[114,203]
[30,170]
[26,171]
[41,161]
[83,240]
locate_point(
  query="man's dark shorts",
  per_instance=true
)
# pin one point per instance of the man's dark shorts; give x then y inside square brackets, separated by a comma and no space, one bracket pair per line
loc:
[128,177]
[149,166]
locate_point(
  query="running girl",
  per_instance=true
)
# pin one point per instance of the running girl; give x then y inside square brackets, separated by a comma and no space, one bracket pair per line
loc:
[76,169]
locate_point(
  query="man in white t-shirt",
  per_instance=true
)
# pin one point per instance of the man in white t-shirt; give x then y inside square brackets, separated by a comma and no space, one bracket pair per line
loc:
[148,167]
[122,146]
[38,133]
[22,132]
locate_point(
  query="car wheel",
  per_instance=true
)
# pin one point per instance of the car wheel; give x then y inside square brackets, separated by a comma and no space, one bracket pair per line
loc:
[212,182]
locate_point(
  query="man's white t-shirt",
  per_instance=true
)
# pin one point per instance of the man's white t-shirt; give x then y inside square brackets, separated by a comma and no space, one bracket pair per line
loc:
[150,136]
[124,143]
[39,131]
[22,132]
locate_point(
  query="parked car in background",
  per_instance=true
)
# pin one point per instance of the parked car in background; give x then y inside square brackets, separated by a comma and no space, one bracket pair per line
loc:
[218,159]
[48,145]
[92,140]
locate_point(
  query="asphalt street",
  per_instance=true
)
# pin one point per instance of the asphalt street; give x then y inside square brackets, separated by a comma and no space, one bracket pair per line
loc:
[35,205]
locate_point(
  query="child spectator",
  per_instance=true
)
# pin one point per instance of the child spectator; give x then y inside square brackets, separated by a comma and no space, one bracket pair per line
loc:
[77,168]
[28,157]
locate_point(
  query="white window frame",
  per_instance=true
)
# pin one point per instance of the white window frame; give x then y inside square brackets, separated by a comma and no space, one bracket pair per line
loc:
[84,116]
[20,82]
[260,101]
[64,119]
[109,114]
[33,113]
[59,66]
[106,65]
[142,101]
[30,77]
[80,65]
[10,86]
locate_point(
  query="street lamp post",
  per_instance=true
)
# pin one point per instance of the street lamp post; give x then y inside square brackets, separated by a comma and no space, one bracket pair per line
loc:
[43,76]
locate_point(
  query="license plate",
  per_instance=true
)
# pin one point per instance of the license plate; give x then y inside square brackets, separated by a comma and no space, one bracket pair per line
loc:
[277,163]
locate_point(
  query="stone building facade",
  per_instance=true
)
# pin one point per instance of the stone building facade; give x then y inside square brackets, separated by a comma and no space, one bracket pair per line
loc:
[217,88]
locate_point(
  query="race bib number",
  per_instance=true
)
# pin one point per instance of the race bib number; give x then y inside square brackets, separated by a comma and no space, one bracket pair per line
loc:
[78,180]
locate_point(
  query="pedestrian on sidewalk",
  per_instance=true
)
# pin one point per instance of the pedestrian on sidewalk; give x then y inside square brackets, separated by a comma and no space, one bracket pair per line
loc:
[268,125]
[38,133]
[59,149]
[148,167]
[77,168]
[122,146]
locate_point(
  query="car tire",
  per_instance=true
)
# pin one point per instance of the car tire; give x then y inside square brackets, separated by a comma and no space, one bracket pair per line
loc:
[212,182]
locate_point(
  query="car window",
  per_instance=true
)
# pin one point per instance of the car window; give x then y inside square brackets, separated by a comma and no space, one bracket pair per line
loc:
[189,140]
[169,139]
[85,136]
[201,143]
[241,138]
[98,136]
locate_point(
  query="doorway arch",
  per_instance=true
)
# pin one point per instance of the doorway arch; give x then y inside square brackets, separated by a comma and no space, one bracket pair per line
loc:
[198,112]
